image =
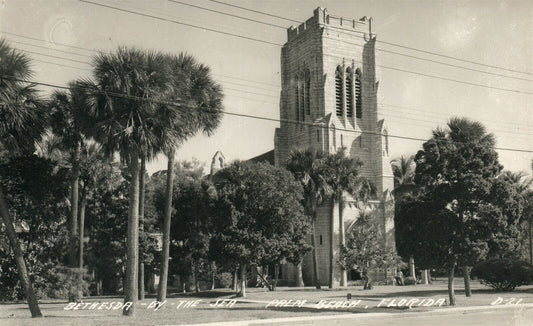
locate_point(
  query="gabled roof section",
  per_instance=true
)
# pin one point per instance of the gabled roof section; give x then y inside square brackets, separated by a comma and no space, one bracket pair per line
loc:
[265,157]
[325,120]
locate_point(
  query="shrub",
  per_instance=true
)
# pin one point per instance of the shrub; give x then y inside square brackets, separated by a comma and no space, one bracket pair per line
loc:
[225,280]
[503,274]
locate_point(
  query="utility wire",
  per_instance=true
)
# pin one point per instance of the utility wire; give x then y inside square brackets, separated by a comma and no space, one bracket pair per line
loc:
[181,23]
[48,48]
[54,43]
[385,42]
[227,88]
[237,90]
[438,77]
[277,44]
[121,95]
[227,14]
[257,12]
[53,56]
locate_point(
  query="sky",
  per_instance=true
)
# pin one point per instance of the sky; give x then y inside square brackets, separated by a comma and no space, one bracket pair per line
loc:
[493,38]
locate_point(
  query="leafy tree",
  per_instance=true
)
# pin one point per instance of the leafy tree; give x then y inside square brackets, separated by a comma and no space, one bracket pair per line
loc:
[257,214]
[193,197]
[455,172]
[364,249]
[107,231]
[342,175]
[22,122]
[37,197]
[307,166]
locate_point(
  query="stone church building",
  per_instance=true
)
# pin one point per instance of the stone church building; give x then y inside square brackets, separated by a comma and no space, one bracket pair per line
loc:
[330,98]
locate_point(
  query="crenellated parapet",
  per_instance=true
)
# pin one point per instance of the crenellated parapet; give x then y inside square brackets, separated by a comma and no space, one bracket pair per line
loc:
[321,18]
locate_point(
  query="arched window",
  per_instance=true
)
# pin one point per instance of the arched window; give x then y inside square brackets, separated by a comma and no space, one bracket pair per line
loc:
[358,96]
[349,92]
[307,92]
[339,93]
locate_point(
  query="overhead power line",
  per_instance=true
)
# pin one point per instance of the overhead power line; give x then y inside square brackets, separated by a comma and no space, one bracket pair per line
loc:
[237,90]
[54,43]
[388,43]
[181,23]
[277,44]
[53,56]
[257,12]
[360,45]
[121,95]
[227,14]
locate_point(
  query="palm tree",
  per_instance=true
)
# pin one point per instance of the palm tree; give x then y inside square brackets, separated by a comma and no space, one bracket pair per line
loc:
[308,167]
[121,106]
[342,174]
[201,110]
[67,127]
[22,123]
[403,170]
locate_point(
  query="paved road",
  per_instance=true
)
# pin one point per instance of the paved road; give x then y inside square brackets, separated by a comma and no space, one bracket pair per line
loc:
[497,316]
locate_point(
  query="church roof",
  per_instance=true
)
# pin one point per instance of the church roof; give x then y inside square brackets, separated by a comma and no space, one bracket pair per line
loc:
[265,157]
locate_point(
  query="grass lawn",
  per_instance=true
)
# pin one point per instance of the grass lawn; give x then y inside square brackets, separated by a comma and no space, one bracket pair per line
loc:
[254,306]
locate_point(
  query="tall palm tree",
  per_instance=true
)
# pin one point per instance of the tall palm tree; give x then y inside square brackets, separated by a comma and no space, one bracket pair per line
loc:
[200,110]
[308,167]
[22,123]
[403,169]
[342,174]
[121,114]
[67,127]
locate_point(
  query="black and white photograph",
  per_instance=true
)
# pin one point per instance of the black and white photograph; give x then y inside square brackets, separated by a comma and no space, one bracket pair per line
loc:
[276,162]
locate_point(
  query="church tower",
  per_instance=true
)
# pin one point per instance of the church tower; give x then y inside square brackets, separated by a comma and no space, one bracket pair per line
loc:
[329,100]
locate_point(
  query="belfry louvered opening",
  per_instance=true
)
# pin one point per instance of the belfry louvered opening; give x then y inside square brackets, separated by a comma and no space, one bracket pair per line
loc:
[339,93]
[349,92]
[358,97]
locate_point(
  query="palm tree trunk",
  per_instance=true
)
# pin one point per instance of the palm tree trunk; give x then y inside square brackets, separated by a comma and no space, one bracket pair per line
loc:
[132,263]
[412,272]
[82,228]
[466,276]
[74,193]
[19,258]
[276,276]
[234,281]
[82,231]
[242,293]
[451,291]
[331,243]
[315,255]
[162,288]
[299,275]
[142,187]
[344,274]
[213,275]
[530,240]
